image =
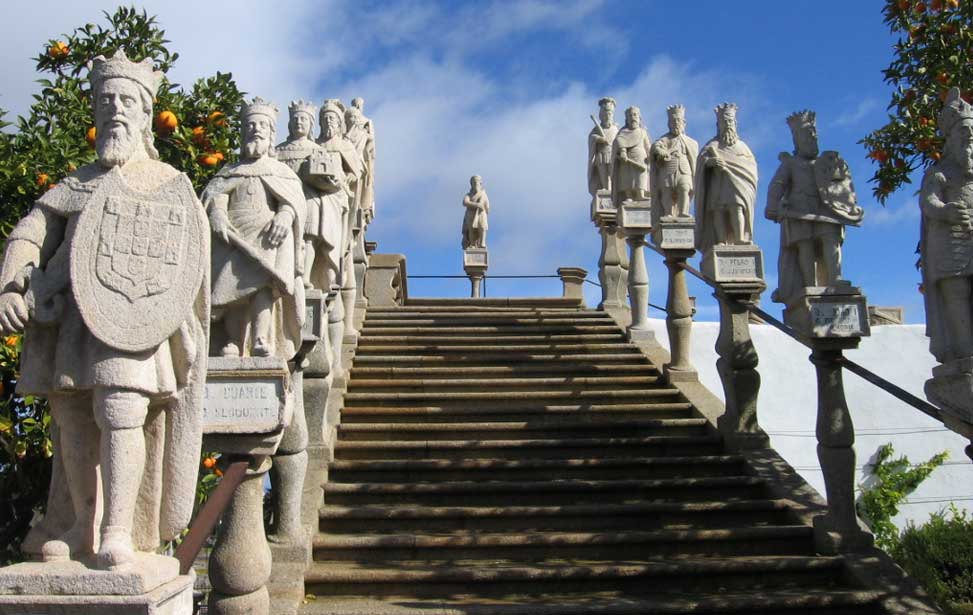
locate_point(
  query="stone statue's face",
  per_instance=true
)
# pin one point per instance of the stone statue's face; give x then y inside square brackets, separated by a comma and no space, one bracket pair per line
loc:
[806,141]
[607,115]
[120,119]
[259,134]
[677,125]
[332,125]
[633,118]
[959,145]
[476,184]
[727,125]
[300,125]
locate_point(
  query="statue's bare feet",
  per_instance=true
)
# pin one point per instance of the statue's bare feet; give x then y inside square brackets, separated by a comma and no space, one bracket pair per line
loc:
[116,550]
[261,348]
[230,350]
[62,548]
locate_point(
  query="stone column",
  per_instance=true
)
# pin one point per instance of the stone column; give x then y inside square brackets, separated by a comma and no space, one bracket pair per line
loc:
[239,565]
[638,289]
[611,275]
[572,280]
[475,263]
[361,265]
[679,319]
[737,366]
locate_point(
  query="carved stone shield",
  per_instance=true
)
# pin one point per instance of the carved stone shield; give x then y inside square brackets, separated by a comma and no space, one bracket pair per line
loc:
[137,261]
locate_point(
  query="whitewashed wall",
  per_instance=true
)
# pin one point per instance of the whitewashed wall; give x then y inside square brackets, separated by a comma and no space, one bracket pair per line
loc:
[787,407]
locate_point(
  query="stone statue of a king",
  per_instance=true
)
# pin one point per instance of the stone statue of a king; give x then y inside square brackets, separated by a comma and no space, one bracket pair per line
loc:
[726,186]
[674,168]
[812,197]
[477,207]
[600,141]
[257,210]
[630,159]
[107,277]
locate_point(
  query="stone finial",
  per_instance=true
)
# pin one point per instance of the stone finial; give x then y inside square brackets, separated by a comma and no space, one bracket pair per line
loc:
[119,66]
[800,119]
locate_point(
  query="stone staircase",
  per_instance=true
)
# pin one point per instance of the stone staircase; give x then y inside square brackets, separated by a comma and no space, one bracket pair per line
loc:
[506,456]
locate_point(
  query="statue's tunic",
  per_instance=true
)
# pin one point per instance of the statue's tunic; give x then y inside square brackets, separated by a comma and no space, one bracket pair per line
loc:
[678,171]
[62,357]
[600,156]
[947,250]
[719,191]
[632,175]
[475,221]
[363,141]
[326,214]
[804,216]
[256,190]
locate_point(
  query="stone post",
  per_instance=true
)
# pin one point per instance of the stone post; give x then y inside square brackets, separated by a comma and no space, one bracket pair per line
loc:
[831,319]
[737,365]
[572,280]
[361,265]
[611,275]
[475,263]
[636,220]
[239,565]
[676,239]
[385,280]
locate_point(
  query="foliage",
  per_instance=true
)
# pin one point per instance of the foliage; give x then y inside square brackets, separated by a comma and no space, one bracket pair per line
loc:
[930,56]
[196,131]
[895,480]
[939,554]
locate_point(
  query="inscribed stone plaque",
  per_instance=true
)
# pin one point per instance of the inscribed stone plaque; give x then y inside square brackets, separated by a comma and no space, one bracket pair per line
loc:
[677,237]
[832,319]
[734,264]
[314,307]
[475,257]
[636,215]
[245,396]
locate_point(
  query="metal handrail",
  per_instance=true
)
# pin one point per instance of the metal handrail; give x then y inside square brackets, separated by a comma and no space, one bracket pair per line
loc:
[859,370]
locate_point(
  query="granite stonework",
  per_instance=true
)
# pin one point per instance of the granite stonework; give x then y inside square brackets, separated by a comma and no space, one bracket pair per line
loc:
[385,280]
[734,263]
[813,199]
[946,246]
[600,141]
[630,160]
[115,316]
[675,234]
[673,164]
[476,207]
[829,312]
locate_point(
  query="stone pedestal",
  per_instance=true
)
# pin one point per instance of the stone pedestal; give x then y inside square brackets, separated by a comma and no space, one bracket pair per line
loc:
[832,319]
[737,365]
[612,275]
[152,587]
[734,263]
[475,263]
[676,239]
[635,218]
[951,388]
[572,280]
[385,280]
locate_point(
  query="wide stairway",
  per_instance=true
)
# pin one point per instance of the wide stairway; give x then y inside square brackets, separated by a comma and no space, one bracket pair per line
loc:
[519,456]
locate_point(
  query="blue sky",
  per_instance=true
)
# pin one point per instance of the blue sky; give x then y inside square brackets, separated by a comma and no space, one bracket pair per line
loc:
[504,90]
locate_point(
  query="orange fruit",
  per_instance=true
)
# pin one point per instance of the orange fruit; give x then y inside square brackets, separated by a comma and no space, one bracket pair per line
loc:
[935,155]
[209,160]
[219,156]
[58,50]
[10,341]
[218,472]
[209,462]
[952,4]
[880,155]
[936,5]
[943,78]
[42,179]
[90,136]
[167,121]
[217,118]
[199,134]
[921,7]
[51,186]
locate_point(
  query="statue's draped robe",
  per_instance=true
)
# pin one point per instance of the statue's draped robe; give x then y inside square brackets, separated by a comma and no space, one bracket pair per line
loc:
[628,177]
[257,190]
[475,222]
[718,190]
[66,358]
[327,213]
[600,154]
[666,174]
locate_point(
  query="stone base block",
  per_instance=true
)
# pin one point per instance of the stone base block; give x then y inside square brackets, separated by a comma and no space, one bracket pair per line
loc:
[830,541]
[829,312]
[639,335]
[680,375]
[76,578]
[951,388]
[80,593]
[744,263]
[675,234]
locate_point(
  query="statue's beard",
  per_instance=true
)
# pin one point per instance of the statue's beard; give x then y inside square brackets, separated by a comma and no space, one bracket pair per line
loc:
[115,146]
[254,147]
[728,137]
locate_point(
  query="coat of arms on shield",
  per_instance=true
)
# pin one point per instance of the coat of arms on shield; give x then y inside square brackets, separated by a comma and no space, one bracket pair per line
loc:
[138,261]
[139,246]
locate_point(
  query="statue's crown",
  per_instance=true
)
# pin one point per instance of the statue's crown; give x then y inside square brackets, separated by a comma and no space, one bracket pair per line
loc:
[299,106]
[954,111]
[119,65]
[607,100]
[259,106]
[333,105]
[725,110]
[799,119]
[676,111]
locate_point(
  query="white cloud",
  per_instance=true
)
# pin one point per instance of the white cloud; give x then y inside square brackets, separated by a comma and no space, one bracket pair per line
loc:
[889,215]
[853,116]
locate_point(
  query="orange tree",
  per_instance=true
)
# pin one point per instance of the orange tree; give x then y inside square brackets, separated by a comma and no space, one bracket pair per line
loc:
[933,53]
[196,131]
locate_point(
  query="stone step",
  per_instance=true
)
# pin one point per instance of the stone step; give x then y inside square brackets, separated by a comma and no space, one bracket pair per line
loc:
[480,312]
[508,430]
[449,337]
[624,355]
[455,303]
[562,369]
[558,491]
[495,335]
[494,397]
[532,468]
[492,382]
[462,413]
[770,602]
[600,516]
[617,545]
[499,578]
[559,448]
[525,322]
